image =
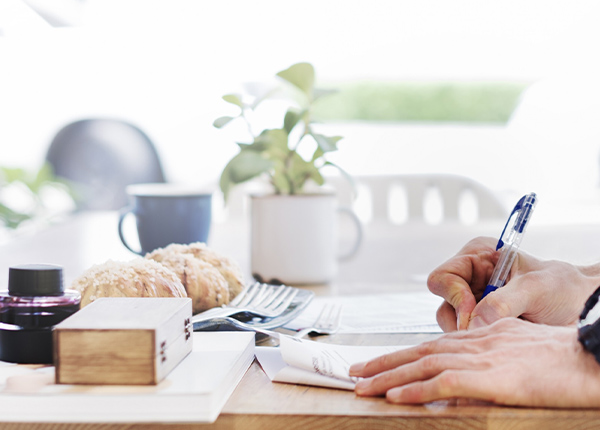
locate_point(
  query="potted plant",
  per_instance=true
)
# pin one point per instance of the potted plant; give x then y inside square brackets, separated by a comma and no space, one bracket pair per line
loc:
[275,153]
[293,231]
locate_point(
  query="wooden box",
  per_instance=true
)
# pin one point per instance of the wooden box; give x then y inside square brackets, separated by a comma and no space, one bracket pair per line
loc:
[123,341]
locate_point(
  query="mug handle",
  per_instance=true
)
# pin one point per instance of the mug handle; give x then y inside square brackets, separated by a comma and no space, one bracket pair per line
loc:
[359,233]
[122,215]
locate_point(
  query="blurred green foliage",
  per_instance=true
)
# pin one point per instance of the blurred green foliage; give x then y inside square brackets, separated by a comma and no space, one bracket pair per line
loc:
[31,185]
[475,102]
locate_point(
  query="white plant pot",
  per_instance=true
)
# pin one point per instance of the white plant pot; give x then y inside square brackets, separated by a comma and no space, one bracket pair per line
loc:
[294,239]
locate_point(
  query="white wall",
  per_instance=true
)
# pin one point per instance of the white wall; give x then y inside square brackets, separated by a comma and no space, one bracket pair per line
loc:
[164,65]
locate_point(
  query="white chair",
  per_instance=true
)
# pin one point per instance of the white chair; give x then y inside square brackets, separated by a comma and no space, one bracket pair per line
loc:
[403,199]
[399,199]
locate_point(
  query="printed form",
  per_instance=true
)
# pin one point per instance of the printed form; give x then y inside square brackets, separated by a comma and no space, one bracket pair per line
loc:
[383,313]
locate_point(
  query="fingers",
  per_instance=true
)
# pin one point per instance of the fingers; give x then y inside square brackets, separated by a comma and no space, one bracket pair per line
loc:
[509,301]
[458,342]
[389,361]
[446,317]
[458,278]
[450,319]
[457,293]
[448,384]
[425,368]
[466,342]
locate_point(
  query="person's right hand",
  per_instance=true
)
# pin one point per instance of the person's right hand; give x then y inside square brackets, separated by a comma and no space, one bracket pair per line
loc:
[549,292]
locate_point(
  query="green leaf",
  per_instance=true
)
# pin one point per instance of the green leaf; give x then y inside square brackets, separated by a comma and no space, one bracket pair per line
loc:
[291,119]
[274,143]
[44,176]
[10,218]
[247,165]
[244,166]
[234,99]
[280,182]
[317,154]
[276,136]
[298,171]
[35,181]
[316,176]
[327,144]
[302,76]
[225,182]
[14,174]
[256,146]
[346,175]
[223,121]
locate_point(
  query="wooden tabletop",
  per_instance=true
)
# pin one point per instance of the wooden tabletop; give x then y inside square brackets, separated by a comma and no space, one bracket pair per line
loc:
[259,404]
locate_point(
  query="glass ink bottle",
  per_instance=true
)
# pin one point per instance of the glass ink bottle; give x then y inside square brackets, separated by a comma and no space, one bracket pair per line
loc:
[34,303]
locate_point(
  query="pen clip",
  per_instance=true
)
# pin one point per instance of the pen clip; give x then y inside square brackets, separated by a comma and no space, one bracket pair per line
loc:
[526,202]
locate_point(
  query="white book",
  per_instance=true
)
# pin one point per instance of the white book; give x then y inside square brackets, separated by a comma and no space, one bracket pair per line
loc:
[306,362]
[195,391]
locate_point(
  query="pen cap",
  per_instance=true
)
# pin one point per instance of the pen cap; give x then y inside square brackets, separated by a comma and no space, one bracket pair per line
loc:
[527,205]
[521,214]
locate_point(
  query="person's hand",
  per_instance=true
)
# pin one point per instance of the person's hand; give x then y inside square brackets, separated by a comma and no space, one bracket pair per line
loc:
[511,362]
[548,292]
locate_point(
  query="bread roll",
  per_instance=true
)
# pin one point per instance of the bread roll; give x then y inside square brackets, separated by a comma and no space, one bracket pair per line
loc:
[203,283]
[136,278]
[227,267]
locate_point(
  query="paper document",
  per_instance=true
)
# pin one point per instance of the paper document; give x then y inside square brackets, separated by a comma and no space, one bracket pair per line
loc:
[378,313]
[307,362]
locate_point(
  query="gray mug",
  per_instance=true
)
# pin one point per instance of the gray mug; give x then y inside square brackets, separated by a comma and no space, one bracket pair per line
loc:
[167,213]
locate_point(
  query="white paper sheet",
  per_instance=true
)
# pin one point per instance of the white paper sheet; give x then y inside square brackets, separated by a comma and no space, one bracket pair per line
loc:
[306,362]
[382,313]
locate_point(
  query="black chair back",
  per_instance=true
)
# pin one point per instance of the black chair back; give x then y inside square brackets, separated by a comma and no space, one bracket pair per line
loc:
[100,157]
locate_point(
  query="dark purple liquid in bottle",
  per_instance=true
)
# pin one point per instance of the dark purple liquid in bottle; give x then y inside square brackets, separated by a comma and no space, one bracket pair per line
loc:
[33,312]
[34,303]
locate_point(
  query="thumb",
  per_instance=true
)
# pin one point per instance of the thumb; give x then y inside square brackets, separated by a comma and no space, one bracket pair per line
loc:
[502,303]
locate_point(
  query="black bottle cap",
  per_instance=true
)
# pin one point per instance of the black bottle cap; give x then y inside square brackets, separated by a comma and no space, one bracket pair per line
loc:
[35,280]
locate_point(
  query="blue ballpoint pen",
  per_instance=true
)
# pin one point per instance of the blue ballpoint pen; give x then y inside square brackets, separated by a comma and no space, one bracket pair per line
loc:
[523,210]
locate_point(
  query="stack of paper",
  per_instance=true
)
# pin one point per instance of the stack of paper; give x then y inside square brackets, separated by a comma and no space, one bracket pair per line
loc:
[308,362]
[196,390]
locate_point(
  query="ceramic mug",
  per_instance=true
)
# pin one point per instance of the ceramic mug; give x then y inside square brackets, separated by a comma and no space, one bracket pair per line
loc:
[167,213]
[294,239]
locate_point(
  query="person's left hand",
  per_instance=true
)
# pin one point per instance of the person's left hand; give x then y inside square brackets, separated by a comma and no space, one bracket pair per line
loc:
[511,362]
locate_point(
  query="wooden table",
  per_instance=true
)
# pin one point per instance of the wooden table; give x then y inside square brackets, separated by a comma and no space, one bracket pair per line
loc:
[259,404]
